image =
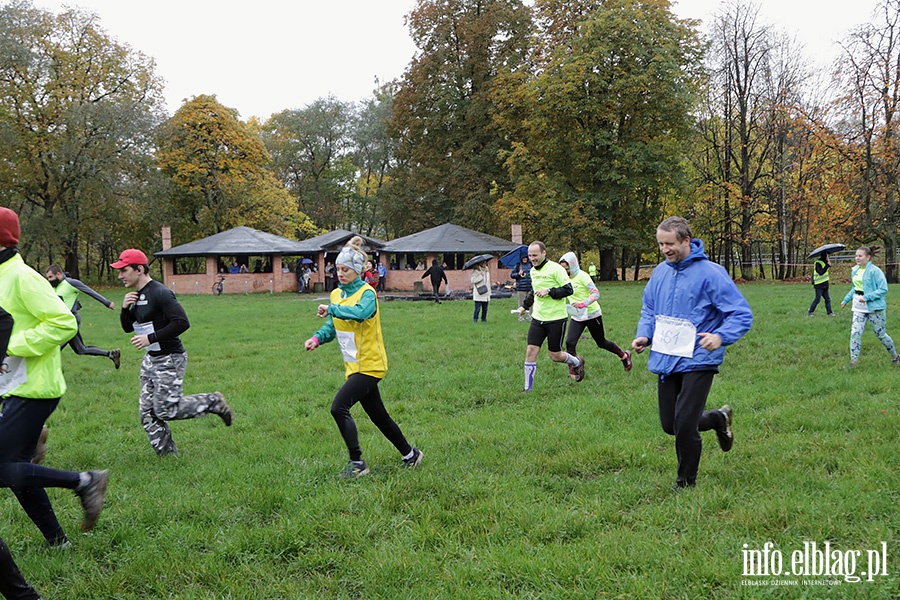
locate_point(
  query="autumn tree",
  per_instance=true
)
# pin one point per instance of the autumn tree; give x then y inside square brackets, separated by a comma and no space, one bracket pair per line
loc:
[77,111]
[738,123]
[448,151]
[598,123]
[374,153]
[869,79]
[308,148]
[217,168]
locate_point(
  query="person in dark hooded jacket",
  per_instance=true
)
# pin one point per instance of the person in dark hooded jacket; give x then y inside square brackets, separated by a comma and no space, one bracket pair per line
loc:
[437,275]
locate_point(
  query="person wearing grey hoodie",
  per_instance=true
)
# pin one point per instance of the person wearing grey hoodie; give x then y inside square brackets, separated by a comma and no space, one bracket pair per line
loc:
[585,312]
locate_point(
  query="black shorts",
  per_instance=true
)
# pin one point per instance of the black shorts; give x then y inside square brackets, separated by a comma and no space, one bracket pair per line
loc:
[552,331]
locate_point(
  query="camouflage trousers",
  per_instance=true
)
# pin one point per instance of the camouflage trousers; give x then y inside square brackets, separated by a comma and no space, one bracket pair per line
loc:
[162,399]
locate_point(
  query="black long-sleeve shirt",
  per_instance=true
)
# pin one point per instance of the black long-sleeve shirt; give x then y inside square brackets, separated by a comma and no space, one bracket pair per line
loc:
[157,304]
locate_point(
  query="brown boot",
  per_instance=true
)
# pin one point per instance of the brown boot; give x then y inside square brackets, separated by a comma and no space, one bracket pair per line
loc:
[40,450]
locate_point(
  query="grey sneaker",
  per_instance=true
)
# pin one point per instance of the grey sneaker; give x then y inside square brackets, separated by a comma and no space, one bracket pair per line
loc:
[91,495]
[115,356]
[40,450]
[355,468]
[413,461]
[221,408]
[725,435]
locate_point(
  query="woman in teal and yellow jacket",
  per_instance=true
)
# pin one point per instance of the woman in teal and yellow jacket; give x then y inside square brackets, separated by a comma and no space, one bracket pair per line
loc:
[866,297]
[354,320]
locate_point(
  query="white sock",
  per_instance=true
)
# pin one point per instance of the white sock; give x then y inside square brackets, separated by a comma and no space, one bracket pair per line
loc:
[572,360]
[530,369]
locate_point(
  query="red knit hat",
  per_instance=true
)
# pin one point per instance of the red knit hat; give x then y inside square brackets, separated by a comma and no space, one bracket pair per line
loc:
[130,257]
[9,228]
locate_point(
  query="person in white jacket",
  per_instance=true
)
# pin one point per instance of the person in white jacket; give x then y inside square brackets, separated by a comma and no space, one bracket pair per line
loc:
[481,291]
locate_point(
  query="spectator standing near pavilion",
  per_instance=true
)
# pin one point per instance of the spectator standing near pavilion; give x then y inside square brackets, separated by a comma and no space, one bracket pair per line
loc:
[481,290]
[522,274]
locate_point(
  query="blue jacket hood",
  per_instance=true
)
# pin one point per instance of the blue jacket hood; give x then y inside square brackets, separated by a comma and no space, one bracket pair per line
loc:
[698,252]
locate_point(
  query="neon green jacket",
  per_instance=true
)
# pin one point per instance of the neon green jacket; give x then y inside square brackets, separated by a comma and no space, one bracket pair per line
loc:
[42,323]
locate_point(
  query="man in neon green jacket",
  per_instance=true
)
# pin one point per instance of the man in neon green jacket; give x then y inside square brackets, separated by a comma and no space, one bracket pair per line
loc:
[31,385]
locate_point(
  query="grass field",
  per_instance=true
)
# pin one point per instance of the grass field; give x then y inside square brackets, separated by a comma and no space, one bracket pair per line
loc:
[562,493]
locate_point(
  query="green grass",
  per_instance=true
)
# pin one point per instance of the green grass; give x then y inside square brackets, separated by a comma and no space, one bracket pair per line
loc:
[562,493]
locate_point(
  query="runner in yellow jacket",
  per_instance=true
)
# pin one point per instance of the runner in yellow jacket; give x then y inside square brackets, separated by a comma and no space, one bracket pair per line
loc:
[31,386]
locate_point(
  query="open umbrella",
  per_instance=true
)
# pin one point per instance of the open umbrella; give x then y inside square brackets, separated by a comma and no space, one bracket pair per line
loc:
[826,249]
[306,261]
[477,260]
[510,259]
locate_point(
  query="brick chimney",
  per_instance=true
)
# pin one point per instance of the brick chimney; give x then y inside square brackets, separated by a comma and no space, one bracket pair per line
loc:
[166,237]
[517,233]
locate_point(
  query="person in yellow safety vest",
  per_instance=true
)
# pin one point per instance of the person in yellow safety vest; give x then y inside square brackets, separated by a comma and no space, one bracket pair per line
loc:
[353,318]
[592,270]
[820,285]
[68,289]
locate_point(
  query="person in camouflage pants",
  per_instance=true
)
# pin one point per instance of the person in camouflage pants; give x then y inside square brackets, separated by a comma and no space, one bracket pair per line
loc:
[162,399]
[156,318]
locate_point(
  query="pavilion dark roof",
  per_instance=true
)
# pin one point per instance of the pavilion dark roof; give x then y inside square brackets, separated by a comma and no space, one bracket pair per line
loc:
[237,241]
[333,241]
[449,238]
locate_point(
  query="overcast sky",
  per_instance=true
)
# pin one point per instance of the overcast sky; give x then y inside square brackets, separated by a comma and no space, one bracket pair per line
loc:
[266,56]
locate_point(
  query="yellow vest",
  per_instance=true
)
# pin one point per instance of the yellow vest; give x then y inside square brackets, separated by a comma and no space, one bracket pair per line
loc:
[362,344]
[819,278]
[581,292]
[67,292]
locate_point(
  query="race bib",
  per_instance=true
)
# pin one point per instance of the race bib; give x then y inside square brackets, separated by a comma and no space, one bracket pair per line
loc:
[13,373]
[347,342]
[147,329]
[860,305]
[675,337]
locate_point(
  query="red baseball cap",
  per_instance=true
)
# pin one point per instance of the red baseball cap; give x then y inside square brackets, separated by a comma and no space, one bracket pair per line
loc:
[132,256]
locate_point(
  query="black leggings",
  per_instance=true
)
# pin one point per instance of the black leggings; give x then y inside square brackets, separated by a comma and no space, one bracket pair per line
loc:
[682,400]
[20,427]
[364,389]
[77,344]
[595,326]
[12,585]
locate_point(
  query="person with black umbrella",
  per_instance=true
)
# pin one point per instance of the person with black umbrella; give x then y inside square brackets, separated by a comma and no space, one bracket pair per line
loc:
[820,284]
